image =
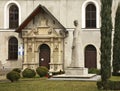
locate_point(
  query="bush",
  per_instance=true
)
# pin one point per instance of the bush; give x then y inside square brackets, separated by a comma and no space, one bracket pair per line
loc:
[13,76]
[94,71]
[28,73]
[42,71]
[109,85]
[17,70]
[115,74]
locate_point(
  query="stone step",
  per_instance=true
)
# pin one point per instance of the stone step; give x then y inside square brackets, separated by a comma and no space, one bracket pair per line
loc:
[76,77]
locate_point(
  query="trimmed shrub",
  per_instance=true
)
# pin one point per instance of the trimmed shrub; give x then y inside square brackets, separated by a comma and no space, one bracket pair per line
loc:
[17,70]
[94,71]
[109,85]
[13,76]
[42,71]
[28,73]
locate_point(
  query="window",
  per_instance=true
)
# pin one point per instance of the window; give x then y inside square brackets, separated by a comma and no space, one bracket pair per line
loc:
[13,16]
[13,49]
[90,16]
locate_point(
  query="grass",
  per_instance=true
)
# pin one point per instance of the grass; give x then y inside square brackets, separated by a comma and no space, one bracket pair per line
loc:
[42,84]
[115,78]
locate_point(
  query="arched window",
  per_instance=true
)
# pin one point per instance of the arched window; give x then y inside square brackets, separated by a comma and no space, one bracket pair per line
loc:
[13,16]
[13,49]
[90,16]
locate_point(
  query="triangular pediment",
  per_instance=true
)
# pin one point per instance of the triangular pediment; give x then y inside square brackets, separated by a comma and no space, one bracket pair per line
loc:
[41,22]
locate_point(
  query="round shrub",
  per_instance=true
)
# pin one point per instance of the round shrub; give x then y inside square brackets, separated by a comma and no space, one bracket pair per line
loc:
[17,70]
[28,73]
[13,76]
[42,71]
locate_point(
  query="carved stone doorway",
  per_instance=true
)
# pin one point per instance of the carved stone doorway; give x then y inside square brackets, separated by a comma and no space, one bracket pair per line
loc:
[44,55]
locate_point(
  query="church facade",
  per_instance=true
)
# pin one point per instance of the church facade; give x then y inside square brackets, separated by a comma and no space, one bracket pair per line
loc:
[40,33]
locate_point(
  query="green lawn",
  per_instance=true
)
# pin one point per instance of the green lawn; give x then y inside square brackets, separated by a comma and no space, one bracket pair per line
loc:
[42,84]
[115,78]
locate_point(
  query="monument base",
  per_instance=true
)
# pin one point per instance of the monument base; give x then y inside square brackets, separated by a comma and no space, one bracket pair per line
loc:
[76,71]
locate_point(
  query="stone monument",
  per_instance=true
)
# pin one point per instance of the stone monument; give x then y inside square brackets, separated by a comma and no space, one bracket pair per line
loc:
[76,70]
[77,65]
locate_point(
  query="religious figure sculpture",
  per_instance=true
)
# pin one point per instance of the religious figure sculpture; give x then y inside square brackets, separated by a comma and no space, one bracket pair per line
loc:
[77,65]
[75,47]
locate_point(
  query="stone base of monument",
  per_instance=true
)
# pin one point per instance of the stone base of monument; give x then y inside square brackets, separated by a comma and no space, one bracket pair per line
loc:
[76,71]
[89,77]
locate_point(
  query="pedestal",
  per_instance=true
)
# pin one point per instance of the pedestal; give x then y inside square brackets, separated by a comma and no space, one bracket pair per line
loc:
[76,71]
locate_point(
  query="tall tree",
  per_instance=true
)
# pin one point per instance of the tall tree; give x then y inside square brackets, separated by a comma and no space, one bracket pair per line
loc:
[106,33]
[116,43]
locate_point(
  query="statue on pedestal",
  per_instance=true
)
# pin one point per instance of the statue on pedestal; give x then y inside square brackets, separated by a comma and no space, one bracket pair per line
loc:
[75,62]
[77,65]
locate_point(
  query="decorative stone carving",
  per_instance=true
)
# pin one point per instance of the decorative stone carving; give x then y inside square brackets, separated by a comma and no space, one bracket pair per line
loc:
[43,21]
[56,46]
[29,47]
[50,31]
[35,31]
[61,33]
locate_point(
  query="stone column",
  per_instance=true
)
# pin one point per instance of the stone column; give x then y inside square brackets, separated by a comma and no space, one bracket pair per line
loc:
[51,56]
[36,54]
[33,50]
[59,50]
[60,61]
[25,54]
[25,50]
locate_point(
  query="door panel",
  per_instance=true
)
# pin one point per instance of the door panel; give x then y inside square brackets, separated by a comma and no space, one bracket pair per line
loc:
[44,56]
[90,57]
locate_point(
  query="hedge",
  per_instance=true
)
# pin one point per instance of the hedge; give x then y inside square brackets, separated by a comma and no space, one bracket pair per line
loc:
[109,85]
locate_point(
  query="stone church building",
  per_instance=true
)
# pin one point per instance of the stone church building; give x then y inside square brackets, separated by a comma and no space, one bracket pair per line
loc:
[40,33]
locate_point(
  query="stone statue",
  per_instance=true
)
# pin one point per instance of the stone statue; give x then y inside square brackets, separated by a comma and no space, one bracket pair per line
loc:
[77,65]
[75,47]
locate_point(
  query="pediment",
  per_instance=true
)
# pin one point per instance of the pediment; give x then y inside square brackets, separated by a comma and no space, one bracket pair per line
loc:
[42,23]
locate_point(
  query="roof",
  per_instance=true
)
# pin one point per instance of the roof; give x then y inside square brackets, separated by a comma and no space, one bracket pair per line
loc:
[39,9]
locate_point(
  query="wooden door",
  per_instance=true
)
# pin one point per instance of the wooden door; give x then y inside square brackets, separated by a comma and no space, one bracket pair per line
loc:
[90,57]
[44,56]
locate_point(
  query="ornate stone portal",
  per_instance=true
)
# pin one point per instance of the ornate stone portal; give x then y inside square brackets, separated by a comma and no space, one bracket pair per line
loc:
[43,30]
[32,43]
[76,67]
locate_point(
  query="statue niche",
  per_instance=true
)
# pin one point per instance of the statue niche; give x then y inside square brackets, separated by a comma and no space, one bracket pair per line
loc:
[43,21]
